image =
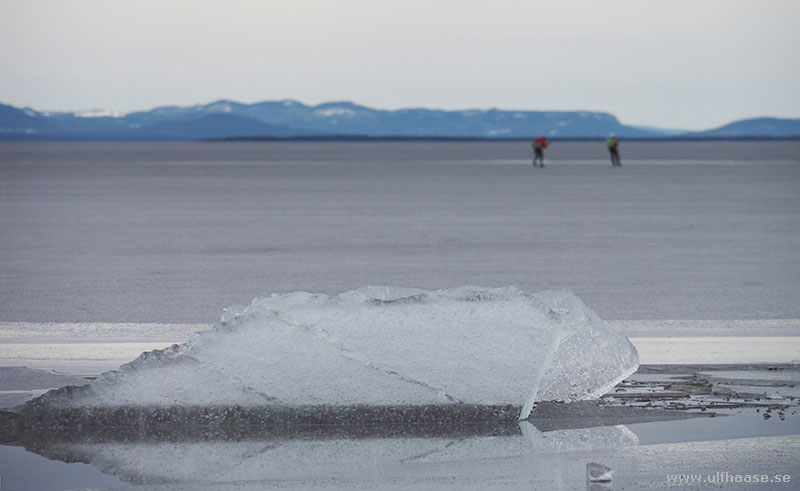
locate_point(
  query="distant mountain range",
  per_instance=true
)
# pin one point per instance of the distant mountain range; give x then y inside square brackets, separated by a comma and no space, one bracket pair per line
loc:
[755,128]
[292,119]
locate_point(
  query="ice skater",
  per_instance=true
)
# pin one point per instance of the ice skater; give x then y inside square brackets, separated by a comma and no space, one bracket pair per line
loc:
[539,145]
[613,145]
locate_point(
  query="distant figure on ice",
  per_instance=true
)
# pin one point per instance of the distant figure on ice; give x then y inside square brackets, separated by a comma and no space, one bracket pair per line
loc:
[539,145]
[613,144]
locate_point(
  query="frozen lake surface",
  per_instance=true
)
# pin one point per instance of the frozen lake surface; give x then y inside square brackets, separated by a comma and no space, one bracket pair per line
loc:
[174,232]
[646,448]
[690,249]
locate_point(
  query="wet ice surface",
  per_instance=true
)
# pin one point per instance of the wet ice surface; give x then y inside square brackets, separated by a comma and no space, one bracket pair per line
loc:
[174,232]
[658,428]
[299,461]
[771,385]
[637,436]
[19,384]
[549,451]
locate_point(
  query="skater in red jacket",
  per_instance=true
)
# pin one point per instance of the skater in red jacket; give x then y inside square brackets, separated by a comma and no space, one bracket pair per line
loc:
[539,145]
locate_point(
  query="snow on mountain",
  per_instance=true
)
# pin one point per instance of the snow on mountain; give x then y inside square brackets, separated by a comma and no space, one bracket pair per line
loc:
[286,118]
[97,113]
[334,111]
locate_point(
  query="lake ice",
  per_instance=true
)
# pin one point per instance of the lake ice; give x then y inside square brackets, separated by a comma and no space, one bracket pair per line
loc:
[379,347]
[173,232]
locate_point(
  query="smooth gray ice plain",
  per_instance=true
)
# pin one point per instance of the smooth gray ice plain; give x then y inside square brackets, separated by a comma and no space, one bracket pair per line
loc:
[175,232]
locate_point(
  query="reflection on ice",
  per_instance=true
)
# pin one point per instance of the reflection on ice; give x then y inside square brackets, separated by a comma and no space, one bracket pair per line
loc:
[547,451]
[469,347]
[598,477]
[409,454]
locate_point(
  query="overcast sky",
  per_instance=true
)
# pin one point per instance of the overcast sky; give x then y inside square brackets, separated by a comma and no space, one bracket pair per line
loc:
[690,64]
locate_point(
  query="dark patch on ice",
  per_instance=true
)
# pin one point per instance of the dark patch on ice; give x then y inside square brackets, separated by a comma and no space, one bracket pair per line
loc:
[411,299]
[234,422]
[33,438]
[38,414]
[708,387]
[549,416]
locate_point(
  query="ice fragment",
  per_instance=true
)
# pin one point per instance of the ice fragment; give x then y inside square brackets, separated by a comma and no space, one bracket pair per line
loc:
[379,346]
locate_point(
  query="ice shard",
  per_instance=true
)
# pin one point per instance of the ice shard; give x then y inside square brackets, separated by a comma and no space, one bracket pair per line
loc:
[378,347]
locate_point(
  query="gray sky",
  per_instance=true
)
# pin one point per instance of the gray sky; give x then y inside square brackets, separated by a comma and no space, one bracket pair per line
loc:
[689,64]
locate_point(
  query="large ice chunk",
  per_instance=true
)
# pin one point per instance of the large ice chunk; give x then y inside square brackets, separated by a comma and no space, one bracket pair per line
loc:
[380,346]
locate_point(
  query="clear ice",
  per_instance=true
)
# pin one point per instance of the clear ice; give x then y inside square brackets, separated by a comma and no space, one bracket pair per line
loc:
[380,346]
